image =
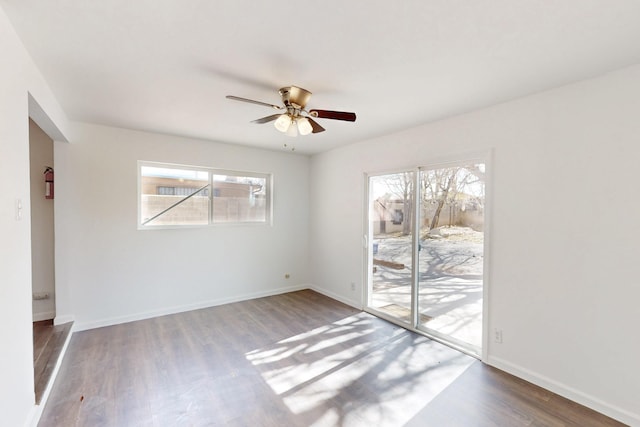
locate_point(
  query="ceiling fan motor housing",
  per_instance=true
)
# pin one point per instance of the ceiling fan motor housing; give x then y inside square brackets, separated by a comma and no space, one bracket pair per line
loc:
[296,96]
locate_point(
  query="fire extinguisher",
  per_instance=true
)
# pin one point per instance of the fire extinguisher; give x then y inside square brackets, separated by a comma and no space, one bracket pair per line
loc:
[48,183]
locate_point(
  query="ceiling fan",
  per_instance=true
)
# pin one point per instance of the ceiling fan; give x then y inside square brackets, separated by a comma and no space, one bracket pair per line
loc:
[294,119]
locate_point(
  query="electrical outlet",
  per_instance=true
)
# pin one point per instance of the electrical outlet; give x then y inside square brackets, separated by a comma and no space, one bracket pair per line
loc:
[497,335]
[353,286]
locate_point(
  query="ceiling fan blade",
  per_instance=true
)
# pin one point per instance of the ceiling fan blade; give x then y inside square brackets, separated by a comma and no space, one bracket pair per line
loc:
[251,101]
[335,115]
[316,127]
[266,119]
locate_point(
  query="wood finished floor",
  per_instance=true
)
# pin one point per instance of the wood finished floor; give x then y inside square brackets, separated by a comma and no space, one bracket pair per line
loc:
[298,359]
[48,340]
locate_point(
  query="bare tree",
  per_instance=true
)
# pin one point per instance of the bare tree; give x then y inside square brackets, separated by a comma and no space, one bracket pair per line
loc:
[400,185]
[443,185]
[438,186]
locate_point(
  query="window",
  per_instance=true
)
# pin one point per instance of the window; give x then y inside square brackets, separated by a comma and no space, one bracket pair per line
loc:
[176,195]
[398,217]
[239,198]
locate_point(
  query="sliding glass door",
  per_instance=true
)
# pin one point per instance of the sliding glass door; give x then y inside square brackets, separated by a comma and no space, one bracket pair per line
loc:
[450,266]
[426,251]
[390,223]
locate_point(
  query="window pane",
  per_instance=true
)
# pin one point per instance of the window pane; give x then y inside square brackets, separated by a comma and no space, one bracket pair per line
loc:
[165,195]
[238,198]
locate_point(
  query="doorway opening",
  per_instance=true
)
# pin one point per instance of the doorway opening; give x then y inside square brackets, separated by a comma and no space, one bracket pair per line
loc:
[42,224]
[48,339]
[49,335]
[426,251]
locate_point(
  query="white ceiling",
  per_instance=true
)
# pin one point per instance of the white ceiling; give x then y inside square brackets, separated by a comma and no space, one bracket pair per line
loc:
[166,65]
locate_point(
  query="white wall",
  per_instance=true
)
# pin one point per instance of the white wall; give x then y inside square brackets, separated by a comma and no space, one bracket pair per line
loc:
[42,223]
[18,78]
[115,273]
[564,292]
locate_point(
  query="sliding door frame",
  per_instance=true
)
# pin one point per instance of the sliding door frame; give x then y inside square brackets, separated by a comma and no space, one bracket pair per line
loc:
[485,157]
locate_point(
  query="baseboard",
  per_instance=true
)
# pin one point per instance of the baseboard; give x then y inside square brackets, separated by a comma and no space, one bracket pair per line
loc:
[45,315]
[36,410]
[350,302]
[563,390]
[82,326]
[61,320]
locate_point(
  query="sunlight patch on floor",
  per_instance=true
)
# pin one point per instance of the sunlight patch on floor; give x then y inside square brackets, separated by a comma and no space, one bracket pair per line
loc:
[317,371]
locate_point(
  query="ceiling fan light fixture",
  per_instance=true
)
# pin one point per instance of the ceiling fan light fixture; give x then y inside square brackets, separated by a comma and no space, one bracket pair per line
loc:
[304,127]
[283,123]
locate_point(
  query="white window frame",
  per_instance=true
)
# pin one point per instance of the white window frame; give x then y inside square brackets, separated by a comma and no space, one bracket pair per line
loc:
[268,178]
